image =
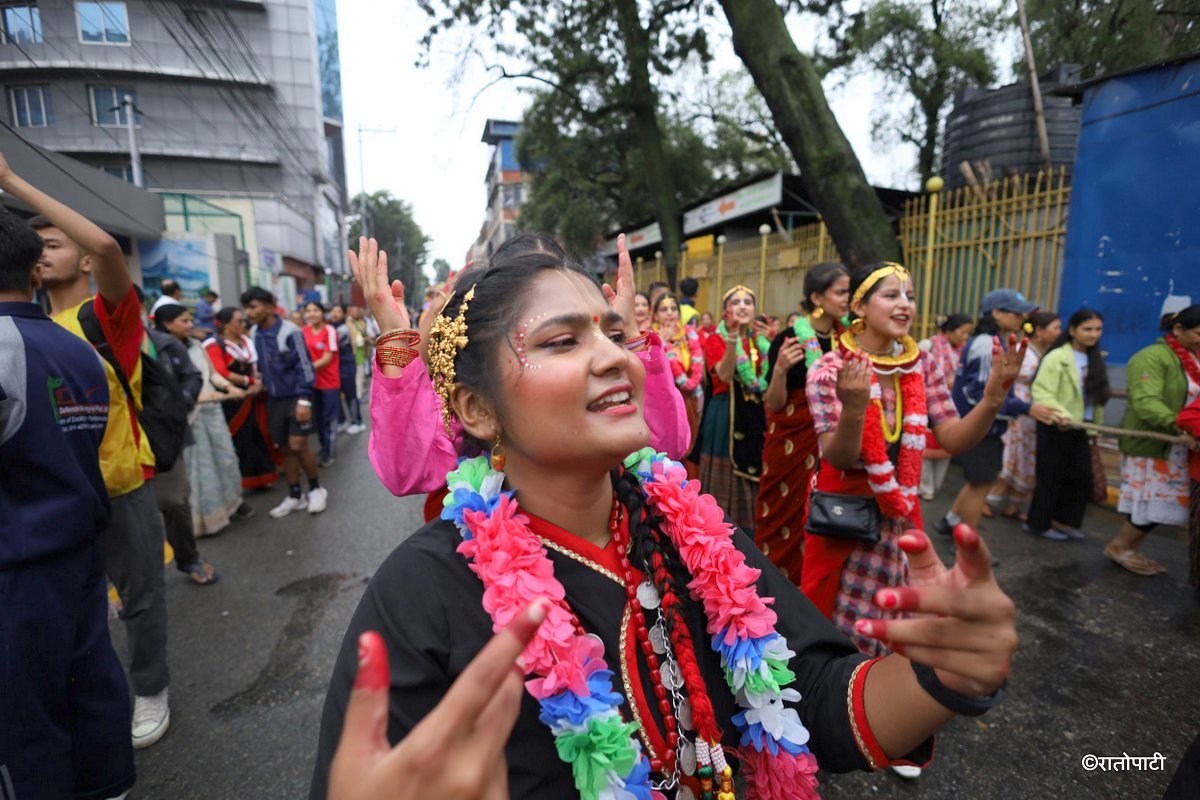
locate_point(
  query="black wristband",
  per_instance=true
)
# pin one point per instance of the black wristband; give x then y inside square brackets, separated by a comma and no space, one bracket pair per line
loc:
[958,703]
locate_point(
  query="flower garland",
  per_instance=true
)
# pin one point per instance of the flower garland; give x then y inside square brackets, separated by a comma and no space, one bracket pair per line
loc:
[806,334]
[750,348]
[570,678]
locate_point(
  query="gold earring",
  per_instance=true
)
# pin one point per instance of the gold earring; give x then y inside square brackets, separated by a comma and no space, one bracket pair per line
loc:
[817,312]
[498,455]
[856,327]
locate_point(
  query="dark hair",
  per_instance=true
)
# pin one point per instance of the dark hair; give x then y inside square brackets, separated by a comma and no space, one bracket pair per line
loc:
[657,285]
[342,306]
[858,276]
[20,249]
[496,307]
[168,313]
[259,294]
[1041,319]
[819,280]
[1187,319]
[661,299]
[210,293]
[225,316]
[1096,386]
[38,222]
[643,295]
[169,287]
[689,286]
[316,303]
[954,322]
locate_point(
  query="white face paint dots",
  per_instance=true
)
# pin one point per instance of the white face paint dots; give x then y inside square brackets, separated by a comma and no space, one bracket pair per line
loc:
[522,332]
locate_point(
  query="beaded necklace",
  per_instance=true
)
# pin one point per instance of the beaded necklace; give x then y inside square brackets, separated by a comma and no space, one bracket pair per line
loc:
[572,682]
[749,364]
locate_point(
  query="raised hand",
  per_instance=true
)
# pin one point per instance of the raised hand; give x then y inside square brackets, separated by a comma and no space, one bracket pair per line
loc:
[791,354]
[854,381]
[1005,366]
[386,300]
[457,751]
[963,623]
[620,299]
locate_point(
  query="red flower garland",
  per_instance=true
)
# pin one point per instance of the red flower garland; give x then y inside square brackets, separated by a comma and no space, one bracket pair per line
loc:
[895,487]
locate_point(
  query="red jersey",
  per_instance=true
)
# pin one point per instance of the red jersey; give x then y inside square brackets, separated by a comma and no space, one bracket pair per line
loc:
[319,344]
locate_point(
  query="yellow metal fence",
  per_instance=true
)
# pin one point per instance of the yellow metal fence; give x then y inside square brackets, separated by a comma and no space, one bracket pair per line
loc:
[1004,233]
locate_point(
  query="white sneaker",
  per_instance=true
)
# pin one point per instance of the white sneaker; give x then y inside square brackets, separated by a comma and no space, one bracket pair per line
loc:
[317,499]
[288,505]
[343,427]
[905,771]
[353,429]
[151,718]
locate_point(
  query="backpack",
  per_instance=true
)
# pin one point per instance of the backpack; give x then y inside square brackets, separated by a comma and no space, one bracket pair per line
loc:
[163,416]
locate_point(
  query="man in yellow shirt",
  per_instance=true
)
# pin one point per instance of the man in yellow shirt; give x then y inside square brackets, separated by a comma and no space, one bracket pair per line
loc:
[76,251]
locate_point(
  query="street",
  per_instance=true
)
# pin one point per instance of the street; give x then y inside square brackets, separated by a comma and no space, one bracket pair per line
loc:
[1108,663]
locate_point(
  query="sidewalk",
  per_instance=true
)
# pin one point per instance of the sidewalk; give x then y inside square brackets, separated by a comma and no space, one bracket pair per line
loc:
[1109,663]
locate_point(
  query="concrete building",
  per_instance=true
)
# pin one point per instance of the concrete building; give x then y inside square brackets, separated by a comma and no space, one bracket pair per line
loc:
[238,113]
[506,186]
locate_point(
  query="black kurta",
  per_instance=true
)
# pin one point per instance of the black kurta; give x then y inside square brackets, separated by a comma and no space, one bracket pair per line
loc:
[427,605]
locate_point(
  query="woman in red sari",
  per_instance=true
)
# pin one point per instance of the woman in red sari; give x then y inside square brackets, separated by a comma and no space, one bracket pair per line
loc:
[232,354]
[790,452]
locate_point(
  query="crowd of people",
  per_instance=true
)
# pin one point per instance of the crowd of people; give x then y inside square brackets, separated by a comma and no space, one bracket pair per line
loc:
[613,480]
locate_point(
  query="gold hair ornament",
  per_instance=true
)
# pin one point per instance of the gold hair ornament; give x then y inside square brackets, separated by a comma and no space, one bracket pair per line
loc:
[889,268]
[446,338]
[739,288]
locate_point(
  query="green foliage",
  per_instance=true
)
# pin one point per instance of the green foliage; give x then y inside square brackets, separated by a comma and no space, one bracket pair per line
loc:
[1105,36]
[927,49]
[441,270]
[391,222]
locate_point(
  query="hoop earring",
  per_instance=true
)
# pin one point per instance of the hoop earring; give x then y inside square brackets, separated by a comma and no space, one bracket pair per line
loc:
[498,455]
[857,326]
[817,312]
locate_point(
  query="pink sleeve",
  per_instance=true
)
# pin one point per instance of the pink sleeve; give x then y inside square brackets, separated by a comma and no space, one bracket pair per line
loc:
[665,415]
[409,446]
[696,370]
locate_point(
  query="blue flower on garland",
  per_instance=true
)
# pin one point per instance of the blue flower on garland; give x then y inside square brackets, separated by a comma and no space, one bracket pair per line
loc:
[574,709]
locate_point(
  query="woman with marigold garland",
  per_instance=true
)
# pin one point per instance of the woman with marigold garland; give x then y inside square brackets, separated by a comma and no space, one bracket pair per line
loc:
[734,426]
[658,609]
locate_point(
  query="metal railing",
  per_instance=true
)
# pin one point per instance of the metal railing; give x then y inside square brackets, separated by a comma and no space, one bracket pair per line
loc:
[1004,233]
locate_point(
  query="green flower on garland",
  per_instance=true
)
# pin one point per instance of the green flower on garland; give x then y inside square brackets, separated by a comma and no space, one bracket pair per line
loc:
[604,746]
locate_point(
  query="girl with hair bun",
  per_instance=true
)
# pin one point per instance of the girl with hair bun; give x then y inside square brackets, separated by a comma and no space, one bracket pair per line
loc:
[790,452]
[1161,380]
[672,654]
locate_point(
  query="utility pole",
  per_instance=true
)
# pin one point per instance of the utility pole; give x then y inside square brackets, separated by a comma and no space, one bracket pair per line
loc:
[363,226]
[135,155]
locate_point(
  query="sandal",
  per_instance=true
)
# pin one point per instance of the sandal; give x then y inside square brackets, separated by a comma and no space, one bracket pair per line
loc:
[203,573]
[1131,560]
[1158,568]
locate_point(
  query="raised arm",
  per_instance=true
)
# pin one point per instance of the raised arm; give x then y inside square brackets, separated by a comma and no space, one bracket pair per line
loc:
[108,266]
[960,435]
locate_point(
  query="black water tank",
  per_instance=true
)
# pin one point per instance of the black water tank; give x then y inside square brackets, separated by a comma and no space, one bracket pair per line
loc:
[999,126]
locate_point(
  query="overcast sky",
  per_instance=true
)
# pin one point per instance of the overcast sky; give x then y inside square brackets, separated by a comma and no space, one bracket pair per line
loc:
[435,160]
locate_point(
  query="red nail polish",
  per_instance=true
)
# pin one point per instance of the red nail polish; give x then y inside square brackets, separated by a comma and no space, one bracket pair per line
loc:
[865,627]
[373,671]
[887,599]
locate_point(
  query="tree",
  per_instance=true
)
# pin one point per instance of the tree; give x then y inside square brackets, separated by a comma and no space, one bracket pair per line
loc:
[832,174]
[391,222]
[441,270]
[928,49]
[1105,36]
[600,58]
[590,179]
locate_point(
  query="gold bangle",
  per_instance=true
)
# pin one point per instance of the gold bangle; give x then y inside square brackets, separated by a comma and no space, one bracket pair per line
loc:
[395,356]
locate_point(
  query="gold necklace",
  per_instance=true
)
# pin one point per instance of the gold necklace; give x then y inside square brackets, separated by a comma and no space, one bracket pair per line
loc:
[906,358]
[890,436]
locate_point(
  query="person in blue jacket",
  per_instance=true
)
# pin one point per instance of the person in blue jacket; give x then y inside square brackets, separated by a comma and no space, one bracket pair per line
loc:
[64,702]
[1002,312]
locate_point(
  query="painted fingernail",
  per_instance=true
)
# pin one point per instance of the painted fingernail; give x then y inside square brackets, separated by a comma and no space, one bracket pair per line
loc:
[887,599]
[865,627]
[519,667]
[538,609]
[372,663]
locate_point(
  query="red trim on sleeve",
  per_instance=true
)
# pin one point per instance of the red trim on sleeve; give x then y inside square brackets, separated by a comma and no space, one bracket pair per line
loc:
[875,754]
[219,358]
[122,327]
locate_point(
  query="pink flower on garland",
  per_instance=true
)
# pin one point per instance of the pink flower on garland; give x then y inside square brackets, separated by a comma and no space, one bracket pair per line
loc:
[583,656]
[780,777]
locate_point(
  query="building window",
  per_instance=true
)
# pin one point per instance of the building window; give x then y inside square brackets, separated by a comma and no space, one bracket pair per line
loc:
[102,22]
[107,107]
[512,194]
[30,106]
[124,173]
[22,23]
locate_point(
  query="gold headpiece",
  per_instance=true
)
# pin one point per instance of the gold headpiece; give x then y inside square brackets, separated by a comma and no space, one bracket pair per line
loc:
[889,268]
[446,338]
[739,288]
